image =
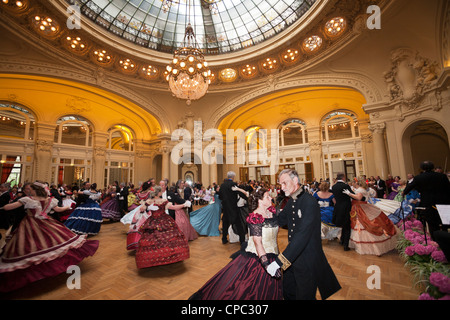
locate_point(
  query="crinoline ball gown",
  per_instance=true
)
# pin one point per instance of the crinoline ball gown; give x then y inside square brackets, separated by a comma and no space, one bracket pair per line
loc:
[244,278]
[87,217]
[329,230]
[40,247]
[161,240]
[372,231]
[110,207]
[206,220]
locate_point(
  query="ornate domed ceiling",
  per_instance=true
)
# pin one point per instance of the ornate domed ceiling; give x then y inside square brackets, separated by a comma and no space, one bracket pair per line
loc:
[242,40]
[220,26]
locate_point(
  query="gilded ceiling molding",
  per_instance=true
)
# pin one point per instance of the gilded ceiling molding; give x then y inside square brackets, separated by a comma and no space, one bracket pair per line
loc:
[347,80]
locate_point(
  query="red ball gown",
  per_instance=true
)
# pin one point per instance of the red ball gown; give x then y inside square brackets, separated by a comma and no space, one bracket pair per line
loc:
[161,240]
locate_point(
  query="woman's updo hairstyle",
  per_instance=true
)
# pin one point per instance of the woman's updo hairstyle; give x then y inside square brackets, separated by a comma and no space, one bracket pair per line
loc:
[39,188]
[254,198]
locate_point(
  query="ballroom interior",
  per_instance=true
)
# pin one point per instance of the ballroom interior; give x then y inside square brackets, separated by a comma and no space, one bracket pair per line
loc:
[89,89]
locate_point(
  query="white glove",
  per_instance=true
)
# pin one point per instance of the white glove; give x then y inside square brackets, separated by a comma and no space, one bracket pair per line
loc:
[273,268]
[152,207]
[234,188]
[187,203]
[346,191]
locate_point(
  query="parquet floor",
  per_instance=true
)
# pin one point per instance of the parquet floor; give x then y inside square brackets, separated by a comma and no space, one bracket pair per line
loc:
[111,274]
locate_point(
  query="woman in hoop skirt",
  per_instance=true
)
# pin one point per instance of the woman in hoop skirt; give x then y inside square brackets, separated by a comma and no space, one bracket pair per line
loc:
[206,220]
[245,277]
[161,241]
[372,231]
[40,247]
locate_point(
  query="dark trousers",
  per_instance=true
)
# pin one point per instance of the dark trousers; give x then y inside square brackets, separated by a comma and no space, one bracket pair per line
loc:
[298,285]
[345,234]
[237,226]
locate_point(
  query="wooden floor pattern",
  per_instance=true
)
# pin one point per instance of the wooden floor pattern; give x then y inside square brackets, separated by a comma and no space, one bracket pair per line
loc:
[111,274]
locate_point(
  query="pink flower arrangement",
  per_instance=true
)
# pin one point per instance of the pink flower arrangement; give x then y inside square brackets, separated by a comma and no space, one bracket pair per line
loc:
[440,281]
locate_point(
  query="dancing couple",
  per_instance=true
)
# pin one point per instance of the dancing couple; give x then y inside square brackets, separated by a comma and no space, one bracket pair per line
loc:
[260,271]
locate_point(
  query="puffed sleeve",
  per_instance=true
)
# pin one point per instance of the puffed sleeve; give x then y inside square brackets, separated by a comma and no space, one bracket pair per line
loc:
[28,203]
[255,222]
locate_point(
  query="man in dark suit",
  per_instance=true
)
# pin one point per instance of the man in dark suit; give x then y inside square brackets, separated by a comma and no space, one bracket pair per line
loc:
[342,208]
[381,187]
[434,188]
[123,198]
[230,208]
[304,263]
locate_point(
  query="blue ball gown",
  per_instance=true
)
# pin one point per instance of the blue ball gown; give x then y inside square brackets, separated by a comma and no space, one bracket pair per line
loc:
[206,220]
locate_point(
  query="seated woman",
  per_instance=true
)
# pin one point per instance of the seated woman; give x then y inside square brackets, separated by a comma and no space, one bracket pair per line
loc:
[245,277]
[326,202]
[372,231]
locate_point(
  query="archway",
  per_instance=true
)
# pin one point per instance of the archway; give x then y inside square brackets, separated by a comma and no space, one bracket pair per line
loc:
[426,140]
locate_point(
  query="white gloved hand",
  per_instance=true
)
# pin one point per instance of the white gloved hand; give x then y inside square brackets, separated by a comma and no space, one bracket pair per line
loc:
[346,191]
[152,207]
[187,204]
[273,268]
[234,188]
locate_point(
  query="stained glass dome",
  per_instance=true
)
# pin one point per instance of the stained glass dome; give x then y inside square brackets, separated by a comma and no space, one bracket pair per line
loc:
[220,26]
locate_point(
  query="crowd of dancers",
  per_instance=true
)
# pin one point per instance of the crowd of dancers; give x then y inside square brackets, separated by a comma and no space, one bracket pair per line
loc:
[48,227]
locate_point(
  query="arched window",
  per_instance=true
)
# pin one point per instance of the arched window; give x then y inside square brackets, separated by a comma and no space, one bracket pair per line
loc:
[340,125]
[255,138]
[120,155]
[16,122]
[73,130]
[293,132]
[120,138]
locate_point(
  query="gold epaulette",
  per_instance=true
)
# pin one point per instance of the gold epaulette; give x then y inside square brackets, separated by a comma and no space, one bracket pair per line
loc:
[286,263]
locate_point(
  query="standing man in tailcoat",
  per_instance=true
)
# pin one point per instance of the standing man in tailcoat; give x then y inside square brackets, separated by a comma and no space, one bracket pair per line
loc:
[342,208]
[230,208]
[304,263]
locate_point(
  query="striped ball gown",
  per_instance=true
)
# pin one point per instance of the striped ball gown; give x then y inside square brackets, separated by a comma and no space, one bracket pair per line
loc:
[40,247]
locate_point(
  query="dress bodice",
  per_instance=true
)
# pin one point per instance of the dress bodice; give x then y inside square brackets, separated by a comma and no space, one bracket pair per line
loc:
[161,208]
[38,209]
[268,231]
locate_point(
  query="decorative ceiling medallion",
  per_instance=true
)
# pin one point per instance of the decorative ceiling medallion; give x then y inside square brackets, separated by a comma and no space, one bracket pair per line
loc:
[335,27]
[228,75]
[312,44]
[102,57]
[15,7]
[76,44]
[290,56]
[127,66]
[248,71]
[269,65]
[45,26]
[149,72]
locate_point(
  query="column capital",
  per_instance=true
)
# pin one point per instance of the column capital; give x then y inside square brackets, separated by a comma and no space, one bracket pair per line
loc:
[377,127]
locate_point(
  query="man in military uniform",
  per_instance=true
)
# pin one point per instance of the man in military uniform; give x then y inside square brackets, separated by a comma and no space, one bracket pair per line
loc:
[303,261]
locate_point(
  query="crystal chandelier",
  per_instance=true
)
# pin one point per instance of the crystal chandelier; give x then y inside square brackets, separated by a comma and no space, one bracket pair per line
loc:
[188,74]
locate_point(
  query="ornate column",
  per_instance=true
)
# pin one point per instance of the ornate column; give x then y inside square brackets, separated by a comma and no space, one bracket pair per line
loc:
[380,155]
[367,149]
[165,170]
[99,158]
[316,155]
[43,151]
[315,152]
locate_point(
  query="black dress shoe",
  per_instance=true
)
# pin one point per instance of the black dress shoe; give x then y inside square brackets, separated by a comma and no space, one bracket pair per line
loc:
[224,241]
[346,249]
